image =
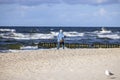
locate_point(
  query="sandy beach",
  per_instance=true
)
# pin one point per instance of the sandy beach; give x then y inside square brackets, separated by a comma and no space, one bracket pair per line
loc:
[68,64]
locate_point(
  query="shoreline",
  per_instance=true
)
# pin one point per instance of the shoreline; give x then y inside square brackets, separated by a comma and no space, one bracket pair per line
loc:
[45,49]
[67,64]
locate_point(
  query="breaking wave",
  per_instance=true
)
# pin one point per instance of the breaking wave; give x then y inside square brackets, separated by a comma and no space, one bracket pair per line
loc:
[11,33]
[110,36]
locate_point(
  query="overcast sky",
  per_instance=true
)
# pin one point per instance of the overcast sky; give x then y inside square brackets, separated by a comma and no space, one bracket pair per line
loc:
[60,13]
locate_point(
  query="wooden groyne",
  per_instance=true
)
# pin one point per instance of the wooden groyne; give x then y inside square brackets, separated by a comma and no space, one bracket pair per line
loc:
[45,45]
[76,45]
[10,46]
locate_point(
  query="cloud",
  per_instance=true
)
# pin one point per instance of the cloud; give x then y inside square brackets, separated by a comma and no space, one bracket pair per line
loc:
[60,14]
[102,12]
[28,2]
[38,2]
[101,1]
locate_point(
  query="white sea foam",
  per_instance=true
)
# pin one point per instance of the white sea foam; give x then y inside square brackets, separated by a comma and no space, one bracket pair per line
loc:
[27,36]
[7,30]
[42,36]
[9,51]
[111,36]
[29,48]
[103,30]
[73,34]
[107,34]
[54,33]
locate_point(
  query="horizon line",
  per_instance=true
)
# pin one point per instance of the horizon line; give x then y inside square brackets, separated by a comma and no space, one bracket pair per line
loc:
[59,26]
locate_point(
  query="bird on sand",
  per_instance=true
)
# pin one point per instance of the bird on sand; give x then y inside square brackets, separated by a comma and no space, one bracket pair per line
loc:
[108,73]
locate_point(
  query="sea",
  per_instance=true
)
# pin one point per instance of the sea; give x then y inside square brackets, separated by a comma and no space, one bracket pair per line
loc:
[34,35]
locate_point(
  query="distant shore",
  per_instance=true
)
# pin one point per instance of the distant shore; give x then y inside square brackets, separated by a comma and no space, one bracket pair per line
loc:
[67,64]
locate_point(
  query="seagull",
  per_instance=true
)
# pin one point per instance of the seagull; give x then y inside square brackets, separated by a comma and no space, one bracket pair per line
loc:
[108,73]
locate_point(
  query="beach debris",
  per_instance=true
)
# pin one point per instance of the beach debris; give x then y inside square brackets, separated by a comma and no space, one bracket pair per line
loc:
[108,73]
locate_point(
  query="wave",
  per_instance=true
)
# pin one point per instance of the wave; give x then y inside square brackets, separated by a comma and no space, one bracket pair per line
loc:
[111,36]
[103,30]
[9,51]
[7,30]
[11,33]
[28,36]
[54,33]
[71,35]
[107,34]
[29,48]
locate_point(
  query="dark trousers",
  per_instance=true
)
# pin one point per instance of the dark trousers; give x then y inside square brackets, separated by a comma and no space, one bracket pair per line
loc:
[59,43]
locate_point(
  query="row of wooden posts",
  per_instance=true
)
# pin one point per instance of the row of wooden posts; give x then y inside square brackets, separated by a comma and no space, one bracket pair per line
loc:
[76,45]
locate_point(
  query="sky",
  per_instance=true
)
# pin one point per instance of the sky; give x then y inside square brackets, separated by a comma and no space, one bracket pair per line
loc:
[60,13]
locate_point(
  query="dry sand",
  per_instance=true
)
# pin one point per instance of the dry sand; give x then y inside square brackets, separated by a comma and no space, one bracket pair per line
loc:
[68,64]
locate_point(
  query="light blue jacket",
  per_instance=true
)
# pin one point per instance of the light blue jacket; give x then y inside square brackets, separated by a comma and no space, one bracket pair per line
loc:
[60,36]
